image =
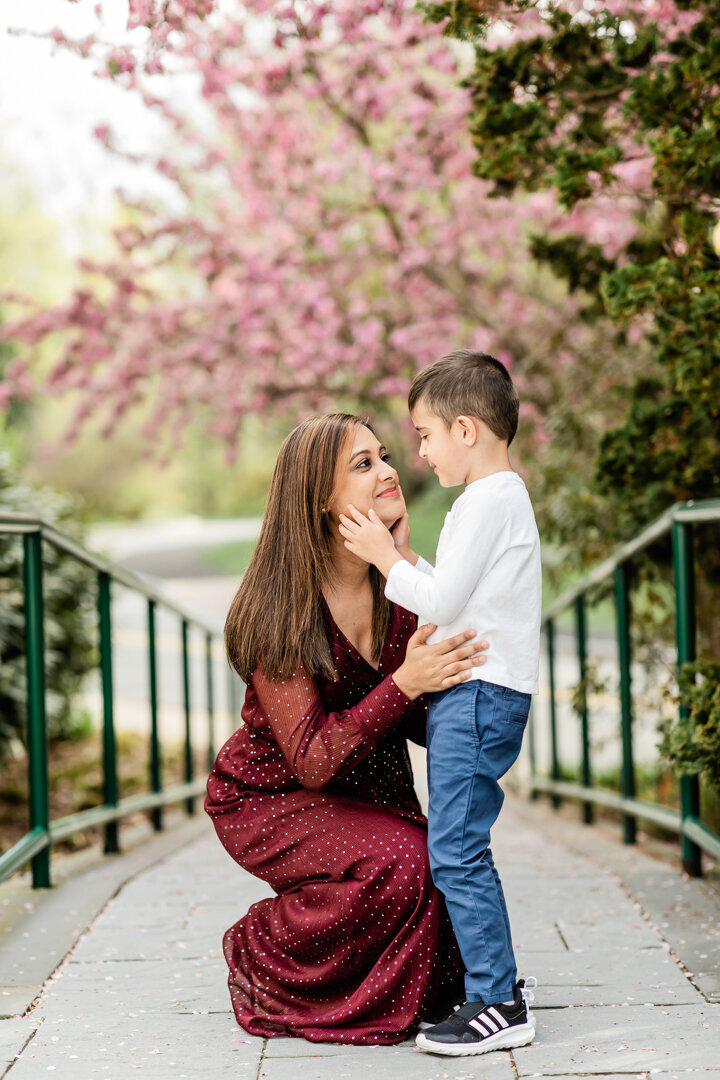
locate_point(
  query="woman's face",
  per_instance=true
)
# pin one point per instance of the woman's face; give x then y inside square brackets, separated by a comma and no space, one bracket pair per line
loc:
[365,478]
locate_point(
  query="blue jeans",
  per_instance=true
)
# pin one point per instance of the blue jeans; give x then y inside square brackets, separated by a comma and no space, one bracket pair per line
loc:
[475,732]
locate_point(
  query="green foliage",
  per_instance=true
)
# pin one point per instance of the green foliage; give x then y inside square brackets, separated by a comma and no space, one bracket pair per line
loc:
[692,744]
[587,688]
[68,587]
[559,110]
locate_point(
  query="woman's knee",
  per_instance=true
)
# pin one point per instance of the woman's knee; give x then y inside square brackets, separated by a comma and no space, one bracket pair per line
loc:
[405,863]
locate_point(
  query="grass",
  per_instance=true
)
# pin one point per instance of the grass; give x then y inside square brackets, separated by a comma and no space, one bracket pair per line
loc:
[230,559]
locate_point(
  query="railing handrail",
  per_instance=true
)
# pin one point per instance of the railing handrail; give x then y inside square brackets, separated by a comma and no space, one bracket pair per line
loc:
[21,524]
[679,519]
[693,511]
[34,847]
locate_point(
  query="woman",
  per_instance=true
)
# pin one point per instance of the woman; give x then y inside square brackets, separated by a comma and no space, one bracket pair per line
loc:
[314,792]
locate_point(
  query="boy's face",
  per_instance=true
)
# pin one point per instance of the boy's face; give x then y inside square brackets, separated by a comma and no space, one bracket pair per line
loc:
[443,448]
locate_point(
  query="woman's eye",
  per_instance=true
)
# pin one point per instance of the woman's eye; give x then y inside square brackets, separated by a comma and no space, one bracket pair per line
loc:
[387,457]
[363,464]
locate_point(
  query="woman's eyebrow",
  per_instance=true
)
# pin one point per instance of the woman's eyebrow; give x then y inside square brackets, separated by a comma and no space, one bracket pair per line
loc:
[365,453]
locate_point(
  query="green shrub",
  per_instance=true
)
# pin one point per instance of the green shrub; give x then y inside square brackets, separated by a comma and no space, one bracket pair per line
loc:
[69,594]
[692,744]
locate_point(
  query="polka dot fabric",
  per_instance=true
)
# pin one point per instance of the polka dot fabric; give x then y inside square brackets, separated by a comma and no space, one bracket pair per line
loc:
[314,794]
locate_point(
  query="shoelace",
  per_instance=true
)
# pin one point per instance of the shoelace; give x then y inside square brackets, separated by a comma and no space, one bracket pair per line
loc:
[527,990]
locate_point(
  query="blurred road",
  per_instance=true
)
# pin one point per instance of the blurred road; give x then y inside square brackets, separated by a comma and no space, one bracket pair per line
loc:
[168,555]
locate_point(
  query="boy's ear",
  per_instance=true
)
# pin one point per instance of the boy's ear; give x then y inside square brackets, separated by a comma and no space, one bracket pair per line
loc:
[468,429]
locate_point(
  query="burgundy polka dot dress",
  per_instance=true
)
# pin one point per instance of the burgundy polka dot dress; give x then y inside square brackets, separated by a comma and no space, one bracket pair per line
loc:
[314,794]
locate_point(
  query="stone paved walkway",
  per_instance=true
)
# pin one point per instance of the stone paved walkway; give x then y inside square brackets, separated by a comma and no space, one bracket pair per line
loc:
[626,952]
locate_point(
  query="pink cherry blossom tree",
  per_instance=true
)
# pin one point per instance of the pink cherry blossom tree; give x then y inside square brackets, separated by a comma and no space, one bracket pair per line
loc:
[330,240]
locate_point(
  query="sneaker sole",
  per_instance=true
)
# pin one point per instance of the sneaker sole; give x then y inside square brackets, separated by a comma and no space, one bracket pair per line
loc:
[520,1035]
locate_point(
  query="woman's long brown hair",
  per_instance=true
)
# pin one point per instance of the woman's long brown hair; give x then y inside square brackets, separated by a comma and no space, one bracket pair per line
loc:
[276,618]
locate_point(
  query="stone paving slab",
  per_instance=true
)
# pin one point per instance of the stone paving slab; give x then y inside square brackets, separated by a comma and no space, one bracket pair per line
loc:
[14,1034]
[655,1074]
[589,978]
[39,926]
[118,1048]
[404,1062]
[145,989]
[605,1039]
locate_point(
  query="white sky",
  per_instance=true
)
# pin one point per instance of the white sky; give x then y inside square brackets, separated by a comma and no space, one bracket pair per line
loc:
[50,103]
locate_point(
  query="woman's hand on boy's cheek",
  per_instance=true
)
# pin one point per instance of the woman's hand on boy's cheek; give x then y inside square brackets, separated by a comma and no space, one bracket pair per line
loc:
[368,538]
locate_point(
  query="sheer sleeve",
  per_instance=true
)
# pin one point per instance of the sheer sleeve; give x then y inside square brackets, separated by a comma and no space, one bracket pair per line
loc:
[321,747]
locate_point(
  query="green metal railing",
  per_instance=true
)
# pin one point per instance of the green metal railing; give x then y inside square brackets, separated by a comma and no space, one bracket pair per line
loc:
[35,846]
[696,837]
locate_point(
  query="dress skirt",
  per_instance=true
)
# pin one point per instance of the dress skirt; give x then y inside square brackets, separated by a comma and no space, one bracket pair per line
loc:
[356,944]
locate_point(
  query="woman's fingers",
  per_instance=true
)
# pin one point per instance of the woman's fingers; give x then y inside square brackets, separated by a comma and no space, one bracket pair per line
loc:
[458,640]
[422,634]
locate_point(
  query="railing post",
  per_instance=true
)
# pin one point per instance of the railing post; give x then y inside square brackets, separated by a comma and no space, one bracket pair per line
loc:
[622,613]
[189,764]
[684,568]
[232,701]
[110,778]
[554,762]
[155,751]
[581,642]
[210,700]
[534,793]
[37,749]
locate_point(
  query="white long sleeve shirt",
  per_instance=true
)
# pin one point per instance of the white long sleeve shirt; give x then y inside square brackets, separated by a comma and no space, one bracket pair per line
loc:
[487,577]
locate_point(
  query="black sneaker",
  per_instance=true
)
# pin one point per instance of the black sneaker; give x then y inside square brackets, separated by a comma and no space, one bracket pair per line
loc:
[476,1028]
[436,1013]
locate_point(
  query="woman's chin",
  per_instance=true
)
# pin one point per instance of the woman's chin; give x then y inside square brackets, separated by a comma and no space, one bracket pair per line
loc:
[390,514]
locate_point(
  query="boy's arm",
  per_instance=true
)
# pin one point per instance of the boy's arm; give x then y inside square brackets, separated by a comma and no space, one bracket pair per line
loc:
[368,538]
[477,538]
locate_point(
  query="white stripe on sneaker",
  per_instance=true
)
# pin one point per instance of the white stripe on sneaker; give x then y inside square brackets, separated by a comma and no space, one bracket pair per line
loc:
[492,1011]
[479,1026]
[487,1019]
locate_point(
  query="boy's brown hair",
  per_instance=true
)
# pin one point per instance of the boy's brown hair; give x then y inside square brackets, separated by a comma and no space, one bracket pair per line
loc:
[468,383]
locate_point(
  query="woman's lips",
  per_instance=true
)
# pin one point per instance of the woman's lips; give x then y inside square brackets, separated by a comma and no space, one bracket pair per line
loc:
[388,493]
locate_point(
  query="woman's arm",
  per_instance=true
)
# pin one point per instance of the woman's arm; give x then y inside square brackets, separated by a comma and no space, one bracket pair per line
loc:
[320,747]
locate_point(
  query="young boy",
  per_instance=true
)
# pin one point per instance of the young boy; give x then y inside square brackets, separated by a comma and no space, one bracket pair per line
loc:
[486,577]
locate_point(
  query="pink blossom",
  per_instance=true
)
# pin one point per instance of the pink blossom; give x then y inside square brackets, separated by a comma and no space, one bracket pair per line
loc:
[332,240]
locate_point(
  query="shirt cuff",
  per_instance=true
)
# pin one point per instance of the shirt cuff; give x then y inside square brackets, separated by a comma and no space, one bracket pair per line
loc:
[422,564]
[399,586]
[382,709]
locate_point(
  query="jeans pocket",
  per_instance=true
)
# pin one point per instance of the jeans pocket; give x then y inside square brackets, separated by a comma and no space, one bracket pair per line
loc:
[513,717]
[515,706]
